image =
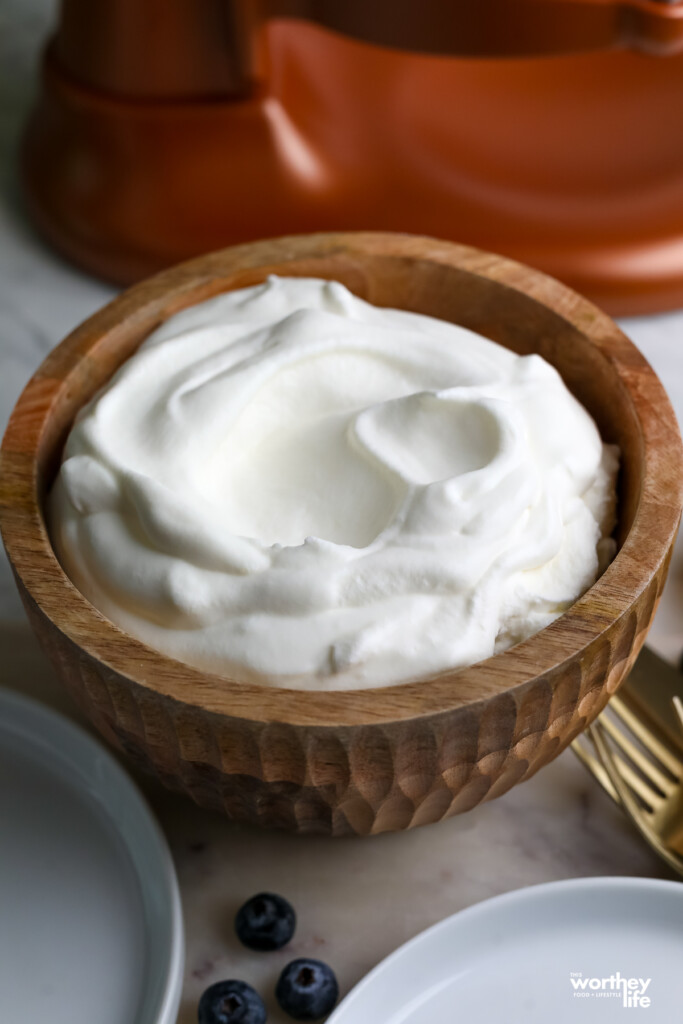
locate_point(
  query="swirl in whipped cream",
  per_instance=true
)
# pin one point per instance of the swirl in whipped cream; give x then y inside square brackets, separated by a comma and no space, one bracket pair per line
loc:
[288,485]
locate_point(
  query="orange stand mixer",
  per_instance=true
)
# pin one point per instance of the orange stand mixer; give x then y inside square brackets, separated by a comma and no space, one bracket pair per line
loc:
[547,130]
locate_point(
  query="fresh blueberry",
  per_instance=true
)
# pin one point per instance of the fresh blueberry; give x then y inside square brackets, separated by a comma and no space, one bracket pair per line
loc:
[307,989]
[231,1002]
[265,922]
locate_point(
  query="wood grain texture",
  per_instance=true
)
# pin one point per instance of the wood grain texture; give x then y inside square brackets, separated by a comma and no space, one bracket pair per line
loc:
[359,761]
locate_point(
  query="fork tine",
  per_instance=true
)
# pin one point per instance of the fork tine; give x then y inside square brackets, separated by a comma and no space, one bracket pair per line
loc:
[638,817]
[596,768]
[651,772]
[651,742]
[648,797]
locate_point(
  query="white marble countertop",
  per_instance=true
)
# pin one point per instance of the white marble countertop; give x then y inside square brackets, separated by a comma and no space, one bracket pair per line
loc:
[357,899]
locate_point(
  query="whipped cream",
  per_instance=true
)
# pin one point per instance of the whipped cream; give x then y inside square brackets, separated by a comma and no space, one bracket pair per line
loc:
[288,485]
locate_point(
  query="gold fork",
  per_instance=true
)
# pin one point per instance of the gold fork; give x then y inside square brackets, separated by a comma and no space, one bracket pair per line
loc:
[641,773]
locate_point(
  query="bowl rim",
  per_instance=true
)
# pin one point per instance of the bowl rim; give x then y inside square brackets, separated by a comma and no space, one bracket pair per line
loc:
[43,582]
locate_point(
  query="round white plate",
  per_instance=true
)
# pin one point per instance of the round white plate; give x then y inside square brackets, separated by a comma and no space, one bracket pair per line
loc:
[551,954]
[90,917]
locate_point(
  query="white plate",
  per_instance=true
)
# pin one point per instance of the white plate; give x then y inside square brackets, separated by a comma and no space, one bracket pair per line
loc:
[90,919]
[520,958]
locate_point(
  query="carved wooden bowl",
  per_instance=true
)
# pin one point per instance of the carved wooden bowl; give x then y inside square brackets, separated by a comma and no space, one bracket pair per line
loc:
[380,759]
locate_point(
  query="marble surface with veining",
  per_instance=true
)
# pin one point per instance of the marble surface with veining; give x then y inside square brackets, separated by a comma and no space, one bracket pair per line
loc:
[357,899]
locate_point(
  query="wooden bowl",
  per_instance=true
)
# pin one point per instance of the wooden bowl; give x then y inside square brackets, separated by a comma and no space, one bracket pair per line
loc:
[358,761]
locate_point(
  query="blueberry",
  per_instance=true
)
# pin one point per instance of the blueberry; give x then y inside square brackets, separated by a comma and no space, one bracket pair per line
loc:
[307,989]
[265,922]
[231,1002]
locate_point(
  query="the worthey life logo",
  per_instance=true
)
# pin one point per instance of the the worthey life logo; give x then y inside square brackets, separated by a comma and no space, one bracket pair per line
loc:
[632,991]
